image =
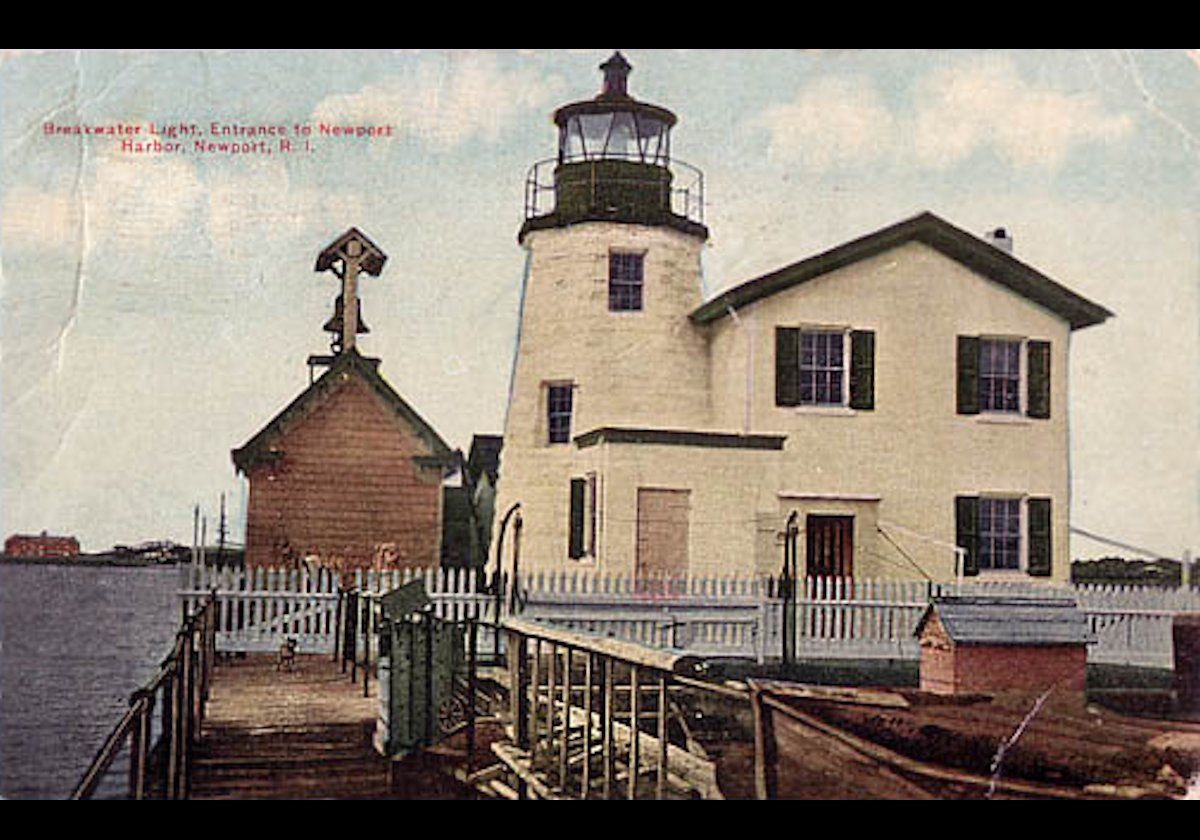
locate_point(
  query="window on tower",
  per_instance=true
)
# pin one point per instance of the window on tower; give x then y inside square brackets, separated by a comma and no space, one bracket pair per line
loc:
[625,273]
[558,413]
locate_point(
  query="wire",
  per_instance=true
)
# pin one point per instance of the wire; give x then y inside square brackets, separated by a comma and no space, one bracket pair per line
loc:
[1109,541]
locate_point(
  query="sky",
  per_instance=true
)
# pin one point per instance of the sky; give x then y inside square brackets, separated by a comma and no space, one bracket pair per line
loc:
[157,304]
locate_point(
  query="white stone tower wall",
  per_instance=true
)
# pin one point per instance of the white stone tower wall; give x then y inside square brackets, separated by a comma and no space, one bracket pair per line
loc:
[629,369]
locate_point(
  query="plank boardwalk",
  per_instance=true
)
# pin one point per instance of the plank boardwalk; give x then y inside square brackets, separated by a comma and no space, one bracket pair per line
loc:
[301,734]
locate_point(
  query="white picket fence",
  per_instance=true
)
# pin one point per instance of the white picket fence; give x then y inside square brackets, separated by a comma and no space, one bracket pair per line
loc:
[258,608]
[711,617]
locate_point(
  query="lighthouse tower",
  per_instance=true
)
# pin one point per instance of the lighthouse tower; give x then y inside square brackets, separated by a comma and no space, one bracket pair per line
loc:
[613,234]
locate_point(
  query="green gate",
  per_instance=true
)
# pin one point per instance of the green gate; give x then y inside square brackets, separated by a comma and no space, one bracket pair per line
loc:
[422,673]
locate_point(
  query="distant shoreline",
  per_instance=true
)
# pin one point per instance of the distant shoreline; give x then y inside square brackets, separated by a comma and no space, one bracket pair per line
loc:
[90,560]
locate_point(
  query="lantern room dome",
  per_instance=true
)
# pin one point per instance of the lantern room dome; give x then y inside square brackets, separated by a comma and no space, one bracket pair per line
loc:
[614,124]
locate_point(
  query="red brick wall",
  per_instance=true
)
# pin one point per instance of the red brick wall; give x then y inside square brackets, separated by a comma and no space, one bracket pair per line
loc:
[19,545]
[989,669]
[346,489]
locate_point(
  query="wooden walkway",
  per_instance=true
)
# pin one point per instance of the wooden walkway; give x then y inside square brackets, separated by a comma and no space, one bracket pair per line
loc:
[303,734]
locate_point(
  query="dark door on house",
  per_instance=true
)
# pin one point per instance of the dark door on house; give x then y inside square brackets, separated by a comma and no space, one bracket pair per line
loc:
[830,546]
[662,533]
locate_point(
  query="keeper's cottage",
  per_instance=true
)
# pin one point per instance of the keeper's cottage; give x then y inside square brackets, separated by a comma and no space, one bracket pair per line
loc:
[905,394]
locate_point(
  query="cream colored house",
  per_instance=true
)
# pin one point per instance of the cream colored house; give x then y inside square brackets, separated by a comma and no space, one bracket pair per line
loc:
[903,394]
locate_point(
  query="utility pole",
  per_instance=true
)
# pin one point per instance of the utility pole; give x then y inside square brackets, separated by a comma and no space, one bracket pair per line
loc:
[221,535]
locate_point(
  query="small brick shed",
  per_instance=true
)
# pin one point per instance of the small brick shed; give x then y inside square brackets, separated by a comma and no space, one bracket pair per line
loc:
[347,475]
[988,645]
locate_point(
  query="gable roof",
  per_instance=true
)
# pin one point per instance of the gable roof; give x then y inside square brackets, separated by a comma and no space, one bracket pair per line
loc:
[1008,620]
[372,257]
[484,458]
[958,244]
[349,363]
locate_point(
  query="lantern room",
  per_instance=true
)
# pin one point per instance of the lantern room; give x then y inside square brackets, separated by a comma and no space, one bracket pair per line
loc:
[614,164]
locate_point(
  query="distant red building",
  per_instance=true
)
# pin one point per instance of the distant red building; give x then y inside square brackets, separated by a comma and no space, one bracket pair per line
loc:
[41,545]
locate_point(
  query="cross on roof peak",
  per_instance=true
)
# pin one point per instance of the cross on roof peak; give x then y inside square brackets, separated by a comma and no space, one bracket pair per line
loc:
[348,255]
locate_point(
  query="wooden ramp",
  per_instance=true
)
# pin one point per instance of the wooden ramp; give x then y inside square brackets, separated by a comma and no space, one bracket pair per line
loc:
[302,734]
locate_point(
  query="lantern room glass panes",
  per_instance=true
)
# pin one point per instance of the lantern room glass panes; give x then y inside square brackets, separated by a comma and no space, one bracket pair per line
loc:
[621,135]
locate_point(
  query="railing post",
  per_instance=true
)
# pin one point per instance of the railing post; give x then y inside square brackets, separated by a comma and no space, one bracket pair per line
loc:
[518,670]
[586,780]
[607,758]
[661,788]
[634,732]
[472,656]
[139,746]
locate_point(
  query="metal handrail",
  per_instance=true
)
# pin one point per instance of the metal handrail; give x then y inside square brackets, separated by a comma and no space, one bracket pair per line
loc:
[183,679]
[686,200]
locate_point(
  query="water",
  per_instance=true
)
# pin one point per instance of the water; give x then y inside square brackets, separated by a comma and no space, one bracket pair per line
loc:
[74,644]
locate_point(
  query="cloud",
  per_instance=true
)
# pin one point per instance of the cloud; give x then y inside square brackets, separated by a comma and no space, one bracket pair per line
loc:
[443,100]
[986,104]
[946,116]
[257,209]
[33,218]
[834,121]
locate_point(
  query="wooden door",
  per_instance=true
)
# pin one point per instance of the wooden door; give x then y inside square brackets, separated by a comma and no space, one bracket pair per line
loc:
[830,546]
[662,532]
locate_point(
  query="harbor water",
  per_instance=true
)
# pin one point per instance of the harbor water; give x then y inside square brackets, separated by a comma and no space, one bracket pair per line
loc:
[75,641]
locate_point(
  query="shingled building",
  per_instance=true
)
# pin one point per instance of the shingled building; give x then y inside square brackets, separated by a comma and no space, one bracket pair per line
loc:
[348,475]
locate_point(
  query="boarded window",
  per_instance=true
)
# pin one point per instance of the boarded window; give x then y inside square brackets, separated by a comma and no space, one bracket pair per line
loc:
[662,532]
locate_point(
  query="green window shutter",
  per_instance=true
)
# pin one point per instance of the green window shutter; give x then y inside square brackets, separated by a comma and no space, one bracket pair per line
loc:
[968,374]
[1038,403]
[787,366]
[862,370]
[575,549]
[966,530]
[1040,543]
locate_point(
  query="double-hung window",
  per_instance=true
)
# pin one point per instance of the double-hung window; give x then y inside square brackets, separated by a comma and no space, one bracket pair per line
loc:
[1003,376]
[626,273]
[822,367]
[559,403]
[999,533]
[1000,375]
